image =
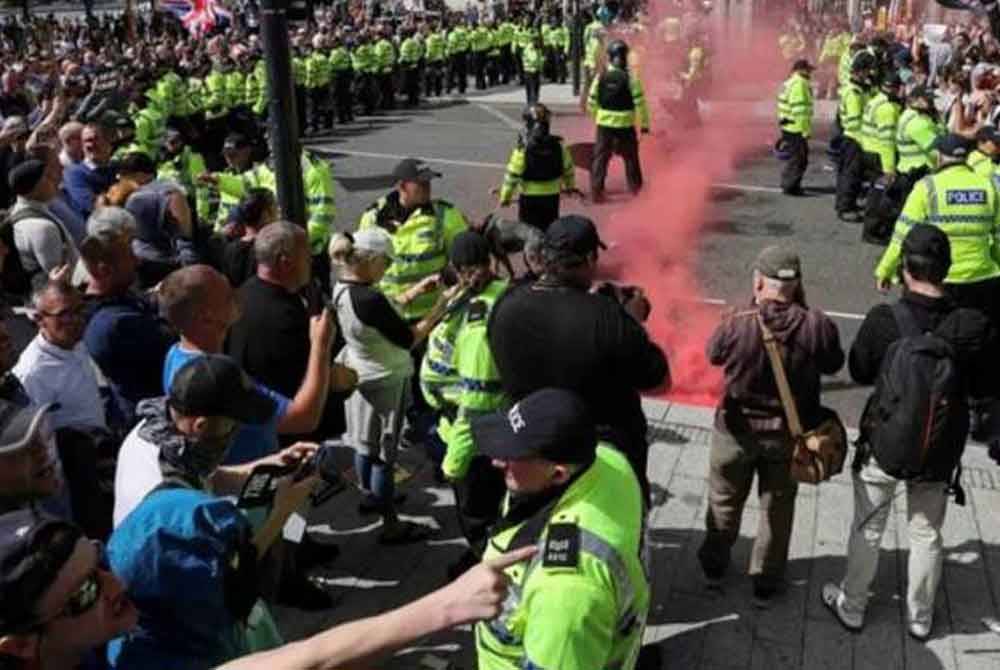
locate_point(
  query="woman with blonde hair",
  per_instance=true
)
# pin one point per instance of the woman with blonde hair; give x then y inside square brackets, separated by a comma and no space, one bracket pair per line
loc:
[378,343]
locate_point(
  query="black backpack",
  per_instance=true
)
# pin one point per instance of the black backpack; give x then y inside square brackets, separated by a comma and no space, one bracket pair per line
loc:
[917,420]
[14,279]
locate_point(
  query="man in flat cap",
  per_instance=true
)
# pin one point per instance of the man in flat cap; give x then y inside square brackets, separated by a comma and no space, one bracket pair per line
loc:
[751,436]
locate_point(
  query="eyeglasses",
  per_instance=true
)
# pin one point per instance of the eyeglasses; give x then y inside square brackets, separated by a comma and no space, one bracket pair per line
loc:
[67,313]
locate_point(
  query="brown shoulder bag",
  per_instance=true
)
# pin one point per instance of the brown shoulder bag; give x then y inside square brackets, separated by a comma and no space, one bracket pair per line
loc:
[817,454]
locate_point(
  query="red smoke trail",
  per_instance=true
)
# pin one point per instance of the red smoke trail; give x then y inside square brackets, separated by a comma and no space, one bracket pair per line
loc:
[657,234]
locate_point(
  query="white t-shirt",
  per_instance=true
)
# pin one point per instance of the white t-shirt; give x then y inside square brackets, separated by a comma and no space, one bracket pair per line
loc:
[69,377]
[137,474]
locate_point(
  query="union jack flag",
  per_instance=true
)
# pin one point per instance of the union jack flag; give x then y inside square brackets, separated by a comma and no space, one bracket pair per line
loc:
[198,16]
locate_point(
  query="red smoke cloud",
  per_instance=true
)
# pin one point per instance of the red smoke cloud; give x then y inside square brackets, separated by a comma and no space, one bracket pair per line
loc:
[656,235]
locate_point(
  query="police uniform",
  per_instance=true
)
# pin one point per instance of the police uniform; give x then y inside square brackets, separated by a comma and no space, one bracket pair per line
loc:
[458,50]
[385,57]
[421,238]
[539,170]
[184,168]
[435,54]
[916,133]
[581,602]
[795,111]
[878,140]
[532,60]
[411,52]
[365,68]
[616,99]
[343,79]
[851,166]
[966,207]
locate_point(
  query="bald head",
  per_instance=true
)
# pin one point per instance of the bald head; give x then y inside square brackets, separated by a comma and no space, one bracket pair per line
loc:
[199,302]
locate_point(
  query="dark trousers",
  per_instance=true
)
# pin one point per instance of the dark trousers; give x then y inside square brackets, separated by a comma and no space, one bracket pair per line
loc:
[885,204]
[411,85]
[795,167]
[479,69]
[458,74]
[343,96]
[538,210]
[368,92]
[622,142]
[532,86]
[734,460]
[506,64]
[983,295]
[387,90]
[434,79]
[320,115]
[850,175]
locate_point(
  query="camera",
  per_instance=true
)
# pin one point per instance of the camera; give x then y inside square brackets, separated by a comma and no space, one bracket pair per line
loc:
[623,294]
[261,485]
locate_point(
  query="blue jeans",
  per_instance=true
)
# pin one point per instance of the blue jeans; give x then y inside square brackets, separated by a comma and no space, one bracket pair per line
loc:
[376,478]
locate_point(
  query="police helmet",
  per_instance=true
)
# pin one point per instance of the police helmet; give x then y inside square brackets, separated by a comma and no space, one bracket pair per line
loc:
[863,61]
[618,52]
[536,114]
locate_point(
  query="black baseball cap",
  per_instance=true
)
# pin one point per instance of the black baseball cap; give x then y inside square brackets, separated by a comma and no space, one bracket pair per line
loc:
[468,249]
[215,385]
[24,177]
[802,64]
[988,134]
[414,169]
[553,424]
[953,146]
[33,549]
[573,234]
[778,263]
[19,425]
[929,242]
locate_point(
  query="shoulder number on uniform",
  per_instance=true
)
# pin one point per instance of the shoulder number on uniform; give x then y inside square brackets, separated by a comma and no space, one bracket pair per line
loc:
[562,546]
[966,197]
[477,311]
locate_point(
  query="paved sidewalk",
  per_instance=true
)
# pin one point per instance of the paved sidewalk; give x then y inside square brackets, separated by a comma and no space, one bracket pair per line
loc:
[692,627]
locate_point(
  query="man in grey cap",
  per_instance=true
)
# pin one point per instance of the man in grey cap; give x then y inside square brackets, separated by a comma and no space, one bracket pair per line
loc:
[750,436]
[29,466]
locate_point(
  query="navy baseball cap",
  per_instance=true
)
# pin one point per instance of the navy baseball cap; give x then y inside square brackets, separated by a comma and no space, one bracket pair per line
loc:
[468,249]
[988,134]
[953,146]
[33,549]
[553,424]
[19,425]
[414,169]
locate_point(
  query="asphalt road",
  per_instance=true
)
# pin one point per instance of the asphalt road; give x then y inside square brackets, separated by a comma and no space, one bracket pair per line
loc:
[469,142]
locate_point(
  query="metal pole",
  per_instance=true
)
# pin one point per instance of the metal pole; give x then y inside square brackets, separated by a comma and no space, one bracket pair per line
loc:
[576,46]
[282,116]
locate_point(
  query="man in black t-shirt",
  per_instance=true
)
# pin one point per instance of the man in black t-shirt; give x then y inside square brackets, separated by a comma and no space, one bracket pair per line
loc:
[556,333]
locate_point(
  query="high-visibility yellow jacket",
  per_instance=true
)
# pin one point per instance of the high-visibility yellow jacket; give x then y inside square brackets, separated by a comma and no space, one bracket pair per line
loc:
[608,110]
[964,205]
[795,105]
[878,130]
[538,173]
[915,137]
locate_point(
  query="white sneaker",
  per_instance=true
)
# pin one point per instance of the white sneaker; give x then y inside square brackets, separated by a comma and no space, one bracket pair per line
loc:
[919,630]
[833,598]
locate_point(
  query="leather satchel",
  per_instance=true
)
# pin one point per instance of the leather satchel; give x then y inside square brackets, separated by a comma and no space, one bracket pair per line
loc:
[817,454]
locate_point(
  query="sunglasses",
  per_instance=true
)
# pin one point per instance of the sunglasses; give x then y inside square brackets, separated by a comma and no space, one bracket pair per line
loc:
[86,595]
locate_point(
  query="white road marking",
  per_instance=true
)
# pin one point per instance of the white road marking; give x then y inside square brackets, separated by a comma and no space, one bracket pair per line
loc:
[837,315]
[747,187]
[428,159]
[503,118]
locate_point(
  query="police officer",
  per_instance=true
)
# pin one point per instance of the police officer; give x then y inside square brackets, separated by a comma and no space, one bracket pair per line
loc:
[582,601]
[479,486]
[983,160]
[239,176]
[532,60]
[318,78]
[795,111]
[181,164]
[422,230]
[385,57]
[343,79]
[917,131]
[366,70]
[851,166]
[616,101]
[878,140]
[458,51]
[411,52]
[435,54]
[540,168]
[479,36]
[965,206]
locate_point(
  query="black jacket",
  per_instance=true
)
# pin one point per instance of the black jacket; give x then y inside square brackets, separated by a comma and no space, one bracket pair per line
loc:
[969,331]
